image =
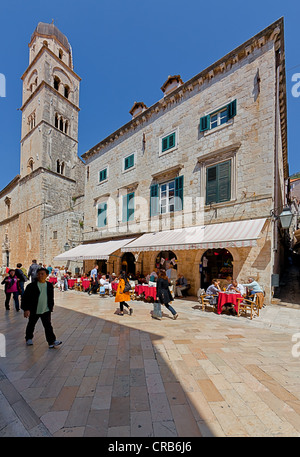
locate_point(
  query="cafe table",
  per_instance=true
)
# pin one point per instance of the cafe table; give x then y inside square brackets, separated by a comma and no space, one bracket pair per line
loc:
[85,284]
[147,290]
[71,282]
[228,297]
[52,279]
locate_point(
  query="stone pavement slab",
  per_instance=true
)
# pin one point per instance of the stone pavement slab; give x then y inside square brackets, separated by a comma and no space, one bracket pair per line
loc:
[201,375]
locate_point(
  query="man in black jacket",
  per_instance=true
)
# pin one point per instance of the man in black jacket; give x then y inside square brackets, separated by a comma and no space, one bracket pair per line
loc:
[33,269]
[38,302]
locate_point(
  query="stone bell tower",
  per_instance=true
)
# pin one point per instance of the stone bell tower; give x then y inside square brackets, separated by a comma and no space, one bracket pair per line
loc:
[50,105]
[51,173]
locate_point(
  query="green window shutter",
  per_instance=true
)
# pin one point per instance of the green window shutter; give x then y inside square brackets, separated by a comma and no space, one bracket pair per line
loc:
[168,142]
[129,162]
[130,206]
[154,200]
[224,181]
[211,185]
[172,140]
[124,209]
[178,193]
[103,175]
[204,123]
[231,109]
[102,215]
[218,183]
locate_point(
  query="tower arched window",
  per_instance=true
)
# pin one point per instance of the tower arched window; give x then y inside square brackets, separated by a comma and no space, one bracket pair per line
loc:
[61,124]
[56,83]
[30,165]
[45,43]
[66,126]
[62,168]
[67,91]
[60,54]
[56,120]
[58,166]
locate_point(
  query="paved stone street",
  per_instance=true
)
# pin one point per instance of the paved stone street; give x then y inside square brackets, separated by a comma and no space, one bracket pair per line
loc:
[132,376]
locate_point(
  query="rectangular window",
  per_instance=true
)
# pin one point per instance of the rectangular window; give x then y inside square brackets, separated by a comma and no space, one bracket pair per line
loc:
[218,183]
[55,235]
[102,215]
[103,175]
[128,207]
[129,162]
[168,142]
[223,115]
[166,197]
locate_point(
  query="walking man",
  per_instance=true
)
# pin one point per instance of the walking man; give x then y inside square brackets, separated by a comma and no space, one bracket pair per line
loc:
[38,302]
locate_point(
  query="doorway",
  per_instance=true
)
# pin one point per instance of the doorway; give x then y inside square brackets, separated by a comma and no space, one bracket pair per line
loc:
[215,264]
[128,263]
[164,259]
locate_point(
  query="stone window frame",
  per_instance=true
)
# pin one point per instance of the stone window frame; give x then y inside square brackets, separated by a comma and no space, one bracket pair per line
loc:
[165,135]
[214,158]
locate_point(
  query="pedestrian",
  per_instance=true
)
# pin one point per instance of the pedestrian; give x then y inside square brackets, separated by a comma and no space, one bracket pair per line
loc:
[33,270]
[21,276]
[163,292]
[11,286]
[121,295]
[38,302]
[94,280]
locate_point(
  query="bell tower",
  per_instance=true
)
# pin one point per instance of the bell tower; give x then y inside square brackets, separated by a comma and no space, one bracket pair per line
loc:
[50,105]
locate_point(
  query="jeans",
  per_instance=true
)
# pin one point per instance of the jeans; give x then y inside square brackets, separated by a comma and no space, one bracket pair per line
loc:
[16,300]
[46,321]
[170,308]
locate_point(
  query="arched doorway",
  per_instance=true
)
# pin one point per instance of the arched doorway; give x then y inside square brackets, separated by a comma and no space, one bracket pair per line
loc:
[128,263]
[215,264]
[165,258]
[102,267]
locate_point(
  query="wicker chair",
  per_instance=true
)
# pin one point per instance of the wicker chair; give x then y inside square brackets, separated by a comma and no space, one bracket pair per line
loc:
[203,300]
[245,305]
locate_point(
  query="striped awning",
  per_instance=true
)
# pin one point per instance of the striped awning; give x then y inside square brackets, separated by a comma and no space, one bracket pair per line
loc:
[93,251]
[225,235]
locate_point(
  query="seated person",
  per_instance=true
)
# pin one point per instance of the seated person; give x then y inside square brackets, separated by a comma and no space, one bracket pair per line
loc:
[213,289]
[255,289]
[106,284]
[181,284]
[238,288]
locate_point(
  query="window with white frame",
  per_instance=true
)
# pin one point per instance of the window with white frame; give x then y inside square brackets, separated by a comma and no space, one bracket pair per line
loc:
[166,197]
[102,214]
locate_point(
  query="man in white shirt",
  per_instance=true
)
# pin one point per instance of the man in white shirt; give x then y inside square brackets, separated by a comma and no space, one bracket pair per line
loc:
[106,284]
[236,287]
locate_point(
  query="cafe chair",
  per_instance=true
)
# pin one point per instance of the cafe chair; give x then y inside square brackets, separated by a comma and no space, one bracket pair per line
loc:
[204,300]
[245,305]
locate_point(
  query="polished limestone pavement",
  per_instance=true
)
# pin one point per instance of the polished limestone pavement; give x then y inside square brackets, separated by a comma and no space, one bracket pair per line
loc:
[133,376]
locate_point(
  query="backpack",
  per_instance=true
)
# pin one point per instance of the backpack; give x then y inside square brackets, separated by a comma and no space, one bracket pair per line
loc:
[127,287]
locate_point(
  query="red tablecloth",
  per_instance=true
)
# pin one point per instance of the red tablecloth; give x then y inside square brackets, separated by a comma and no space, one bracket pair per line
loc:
[71,282]
[85,284]
[149,291]
[225,297]
[53,279]
[114,285]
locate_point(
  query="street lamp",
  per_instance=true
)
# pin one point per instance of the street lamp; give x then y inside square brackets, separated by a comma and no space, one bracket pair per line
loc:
[66,246]
[286,217]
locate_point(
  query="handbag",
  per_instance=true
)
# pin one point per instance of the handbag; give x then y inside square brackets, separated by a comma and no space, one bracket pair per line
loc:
[127,287]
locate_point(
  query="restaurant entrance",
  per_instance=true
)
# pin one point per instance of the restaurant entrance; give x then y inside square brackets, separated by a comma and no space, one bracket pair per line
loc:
[128,263]
[215,264]
[164,259]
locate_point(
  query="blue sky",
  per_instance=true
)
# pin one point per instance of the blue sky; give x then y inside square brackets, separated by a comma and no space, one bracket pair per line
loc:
[124,51]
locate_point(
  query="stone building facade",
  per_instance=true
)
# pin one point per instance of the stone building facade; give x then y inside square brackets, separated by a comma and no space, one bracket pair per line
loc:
[41,209]
[211,151]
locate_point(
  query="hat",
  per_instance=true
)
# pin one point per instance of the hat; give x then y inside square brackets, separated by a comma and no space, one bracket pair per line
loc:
[113,274]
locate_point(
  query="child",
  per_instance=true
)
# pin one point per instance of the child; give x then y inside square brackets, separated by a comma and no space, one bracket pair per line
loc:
[38,302]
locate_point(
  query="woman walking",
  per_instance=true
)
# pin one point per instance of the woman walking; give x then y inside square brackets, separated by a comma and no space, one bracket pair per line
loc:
[122,296]
[163,292]
[11,286]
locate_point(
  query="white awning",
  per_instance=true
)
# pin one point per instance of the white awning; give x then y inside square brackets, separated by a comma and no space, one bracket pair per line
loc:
[93,251]
[225,235]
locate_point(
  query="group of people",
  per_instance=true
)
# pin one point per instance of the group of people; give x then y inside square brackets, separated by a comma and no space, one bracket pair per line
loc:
[163,294]
[179,282]
[247,290]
